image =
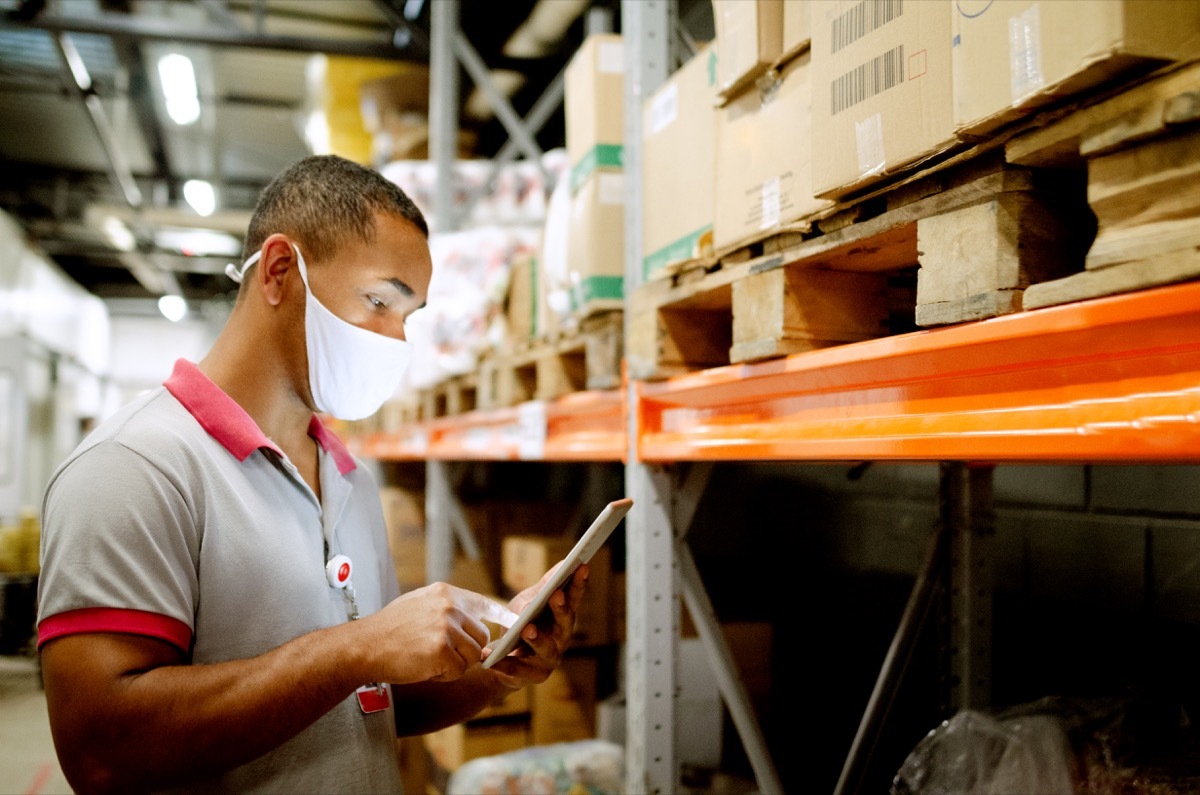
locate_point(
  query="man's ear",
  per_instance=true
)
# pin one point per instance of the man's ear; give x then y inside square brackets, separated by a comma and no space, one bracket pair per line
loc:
[278,257]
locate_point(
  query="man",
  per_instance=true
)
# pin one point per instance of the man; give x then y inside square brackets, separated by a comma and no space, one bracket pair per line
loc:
[218,610]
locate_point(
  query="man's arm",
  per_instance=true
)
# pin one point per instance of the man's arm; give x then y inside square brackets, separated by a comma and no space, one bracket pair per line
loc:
[122,706]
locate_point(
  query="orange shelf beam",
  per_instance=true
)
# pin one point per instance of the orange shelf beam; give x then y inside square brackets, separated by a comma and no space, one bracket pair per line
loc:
[585,426]
[1107,380]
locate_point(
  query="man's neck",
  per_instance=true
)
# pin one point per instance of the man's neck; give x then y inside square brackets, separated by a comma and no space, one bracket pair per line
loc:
[245,367]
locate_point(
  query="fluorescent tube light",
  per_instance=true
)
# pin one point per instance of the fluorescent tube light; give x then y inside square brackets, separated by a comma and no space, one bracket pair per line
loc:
[201,196]
[173,307]
[178,79]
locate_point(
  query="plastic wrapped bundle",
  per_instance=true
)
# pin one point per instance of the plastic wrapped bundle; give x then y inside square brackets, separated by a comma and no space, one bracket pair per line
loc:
[587,767]
[1104,746]
[976,754]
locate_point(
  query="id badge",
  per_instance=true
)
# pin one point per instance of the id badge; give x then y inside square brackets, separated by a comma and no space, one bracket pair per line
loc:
[373,698]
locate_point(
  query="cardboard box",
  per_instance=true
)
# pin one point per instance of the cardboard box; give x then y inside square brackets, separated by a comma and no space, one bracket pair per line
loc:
[749,40]
[394,96]
[594,106]
[564,706]
[404,515]
[452,746]
[521,309]
[517,702]
[797,27]
[679,156]
[882,90]
[1012,56]
[596,245]
[525,559]
[764,158]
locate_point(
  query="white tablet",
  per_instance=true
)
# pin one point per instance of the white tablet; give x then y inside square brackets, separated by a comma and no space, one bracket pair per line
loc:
[582,552]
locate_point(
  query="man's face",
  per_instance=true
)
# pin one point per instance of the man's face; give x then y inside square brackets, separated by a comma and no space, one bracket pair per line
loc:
[376,285]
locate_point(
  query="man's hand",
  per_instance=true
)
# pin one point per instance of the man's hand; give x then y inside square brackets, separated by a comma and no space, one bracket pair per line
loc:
[546,638]
[431,634]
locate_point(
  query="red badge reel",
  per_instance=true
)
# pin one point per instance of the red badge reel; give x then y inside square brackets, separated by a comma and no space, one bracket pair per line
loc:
[338,571]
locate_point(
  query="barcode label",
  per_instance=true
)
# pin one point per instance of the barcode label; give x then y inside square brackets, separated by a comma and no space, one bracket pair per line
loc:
[875,76]
[863,18]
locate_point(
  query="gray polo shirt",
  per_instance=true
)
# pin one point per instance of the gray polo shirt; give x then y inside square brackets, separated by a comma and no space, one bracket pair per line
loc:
[179,519]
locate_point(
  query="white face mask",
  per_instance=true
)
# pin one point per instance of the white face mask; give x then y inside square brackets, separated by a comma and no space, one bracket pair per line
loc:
[351,371]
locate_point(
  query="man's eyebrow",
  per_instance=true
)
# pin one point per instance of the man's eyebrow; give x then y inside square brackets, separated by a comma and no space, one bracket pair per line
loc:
[403,287]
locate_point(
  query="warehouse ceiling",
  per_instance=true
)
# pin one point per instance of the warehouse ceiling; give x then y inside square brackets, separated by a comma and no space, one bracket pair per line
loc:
[95,166]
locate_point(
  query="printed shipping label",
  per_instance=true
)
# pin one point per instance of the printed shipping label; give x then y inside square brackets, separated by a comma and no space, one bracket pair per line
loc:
[611,188]
[770,203]
[664,108]
[1025,53]
[531,430]
[611,57]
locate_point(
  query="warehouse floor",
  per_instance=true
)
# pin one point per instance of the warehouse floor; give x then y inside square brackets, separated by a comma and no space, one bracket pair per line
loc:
[27,761]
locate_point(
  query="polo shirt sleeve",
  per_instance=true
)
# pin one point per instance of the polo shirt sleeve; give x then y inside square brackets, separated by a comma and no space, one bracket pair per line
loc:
[119,550]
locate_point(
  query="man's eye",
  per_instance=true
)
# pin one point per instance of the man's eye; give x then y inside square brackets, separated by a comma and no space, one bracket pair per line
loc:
[376,303]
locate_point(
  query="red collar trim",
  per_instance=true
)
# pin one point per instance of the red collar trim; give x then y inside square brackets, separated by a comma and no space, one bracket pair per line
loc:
[217,413]
[231,426]
[332,445]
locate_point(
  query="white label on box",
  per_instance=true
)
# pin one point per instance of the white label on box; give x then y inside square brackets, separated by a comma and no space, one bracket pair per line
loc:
[1025,53]
[531,430]
[770,203]
[611,58]
[611,187]
[664,108]
[868,135]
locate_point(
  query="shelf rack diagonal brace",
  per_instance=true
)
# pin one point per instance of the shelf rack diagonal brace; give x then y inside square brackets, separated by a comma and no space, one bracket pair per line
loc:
[445,521]
[694,479]
[927,591]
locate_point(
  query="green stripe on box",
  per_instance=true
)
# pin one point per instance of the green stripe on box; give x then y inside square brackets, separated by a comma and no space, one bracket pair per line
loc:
[599,156]
[686,247]
[593,287]
[534,331]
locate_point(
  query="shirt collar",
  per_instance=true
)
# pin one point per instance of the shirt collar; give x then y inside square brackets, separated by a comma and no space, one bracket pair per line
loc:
[231,426]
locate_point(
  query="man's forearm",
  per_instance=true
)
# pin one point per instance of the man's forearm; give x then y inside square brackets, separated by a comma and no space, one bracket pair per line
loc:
[223,714]
[429,706]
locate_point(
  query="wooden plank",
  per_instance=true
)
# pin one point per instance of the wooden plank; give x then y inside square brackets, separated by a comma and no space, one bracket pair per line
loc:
[790,310]
[1007,243]
[1155,181]
[1113,119]
[1121,245]
[975,307]
[1177,266]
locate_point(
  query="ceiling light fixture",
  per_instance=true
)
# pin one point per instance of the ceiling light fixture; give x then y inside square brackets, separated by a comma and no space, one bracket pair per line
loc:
[117,233]
[173,307]
[201,196]
[178,79]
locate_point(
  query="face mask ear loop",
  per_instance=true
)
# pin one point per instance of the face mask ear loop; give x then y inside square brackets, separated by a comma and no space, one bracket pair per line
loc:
[237,275]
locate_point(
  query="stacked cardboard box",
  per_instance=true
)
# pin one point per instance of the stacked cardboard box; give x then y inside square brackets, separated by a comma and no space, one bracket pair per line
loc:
[750,40]
[404,515]
[1013,56]
[679,139]
[452,746]
[564,706]
[882,89]
[594,109]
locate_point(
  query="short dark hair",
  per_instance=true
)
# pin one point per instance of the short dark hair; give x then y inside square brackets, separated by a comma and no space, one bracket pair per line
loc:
[322,202]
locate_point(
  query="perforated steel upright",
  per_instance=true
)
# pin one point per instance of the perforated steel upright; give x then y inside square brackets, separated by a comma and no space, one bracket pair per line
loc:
[652,598]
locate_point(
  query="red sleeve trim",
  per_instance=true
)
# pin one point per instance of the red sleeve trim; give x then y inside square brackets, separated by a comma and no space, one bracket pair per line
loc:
[107,619]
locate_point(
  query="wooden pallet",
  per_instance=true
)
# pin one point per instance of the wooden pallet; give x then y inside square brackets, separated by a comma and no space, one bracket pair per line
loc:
[974,234]
[587,358]
[451,397]
[998,226]
[1142,154]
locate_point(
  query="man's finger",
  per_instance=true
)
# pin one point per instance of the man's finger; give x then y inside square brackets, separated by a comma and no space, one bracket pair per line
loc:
[494,612]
